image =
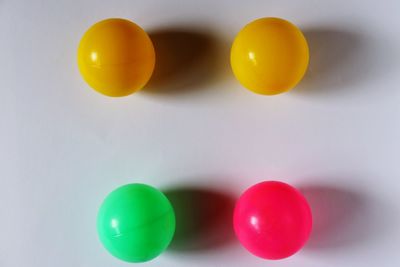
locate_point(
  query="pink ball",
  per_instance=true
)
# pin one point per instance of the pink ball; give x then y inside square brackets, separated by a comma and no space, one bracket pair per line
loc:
[272,220]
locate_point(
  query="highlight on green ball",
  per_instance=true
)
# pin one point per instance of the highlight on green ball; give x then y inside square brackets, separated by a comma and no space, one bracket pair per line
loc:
[136,222]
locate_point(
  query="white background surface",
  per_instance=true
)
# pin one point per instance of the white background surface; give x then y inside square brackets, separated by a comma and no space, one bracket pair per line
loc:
[64,147]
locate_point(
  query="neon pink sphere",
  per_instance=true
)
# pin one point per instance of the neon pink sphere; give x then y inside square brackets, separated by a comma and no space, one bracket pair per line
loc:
[272,220]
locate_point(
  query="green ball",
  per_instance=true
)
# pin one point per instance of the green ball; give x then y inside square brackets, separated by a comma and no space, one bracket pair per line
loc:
[136,223]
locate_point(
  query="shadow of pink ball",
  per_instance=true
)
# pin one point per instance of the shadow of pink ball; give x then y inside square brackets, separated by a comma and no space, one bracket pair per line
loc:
[272,220]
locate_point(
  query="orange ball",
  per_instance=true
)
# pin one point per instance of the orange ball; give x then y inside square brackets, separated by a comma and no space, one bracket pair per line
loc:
[116,57]
[269,56]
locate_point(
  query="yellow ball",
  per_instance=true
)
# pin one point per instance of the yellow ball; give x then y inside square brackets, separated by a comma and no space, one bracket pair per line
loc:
[116,57]
[269,56]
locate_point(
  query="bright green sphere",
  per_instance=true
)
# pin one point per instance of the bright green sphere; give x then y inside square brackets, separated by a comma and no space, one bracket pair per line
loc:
[136,223]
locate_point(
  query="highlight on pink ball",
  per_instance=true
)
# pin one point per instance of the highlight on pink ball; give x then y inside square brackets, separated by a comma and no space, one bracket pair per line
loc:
[272,220]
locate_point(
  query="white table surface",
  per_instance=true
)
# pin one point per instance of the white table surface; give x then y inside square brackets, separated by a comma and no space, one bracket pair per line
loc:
[64,147]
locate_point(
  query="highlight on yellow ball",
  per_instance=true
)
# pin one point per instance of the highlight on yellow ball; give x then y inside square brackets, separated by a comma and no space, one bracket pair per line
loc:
[269,56]
[116,57]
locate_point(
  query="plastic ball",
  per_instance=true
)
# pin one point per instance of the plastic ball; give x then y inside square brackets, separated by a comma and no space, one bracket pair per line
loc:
[272,220]
[116,57]
[136,223]
[269,56]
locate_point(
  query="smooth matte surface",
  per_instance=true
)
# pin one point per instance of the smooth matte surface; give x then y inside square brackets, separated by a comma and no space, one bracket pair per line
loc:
[335,136]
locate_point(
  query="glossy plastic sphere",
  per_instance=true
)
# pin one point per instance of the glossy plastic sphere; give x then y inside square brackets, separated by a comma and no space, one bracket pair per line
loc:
[272,220]
[136,223]
[116,57]
[269,56]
